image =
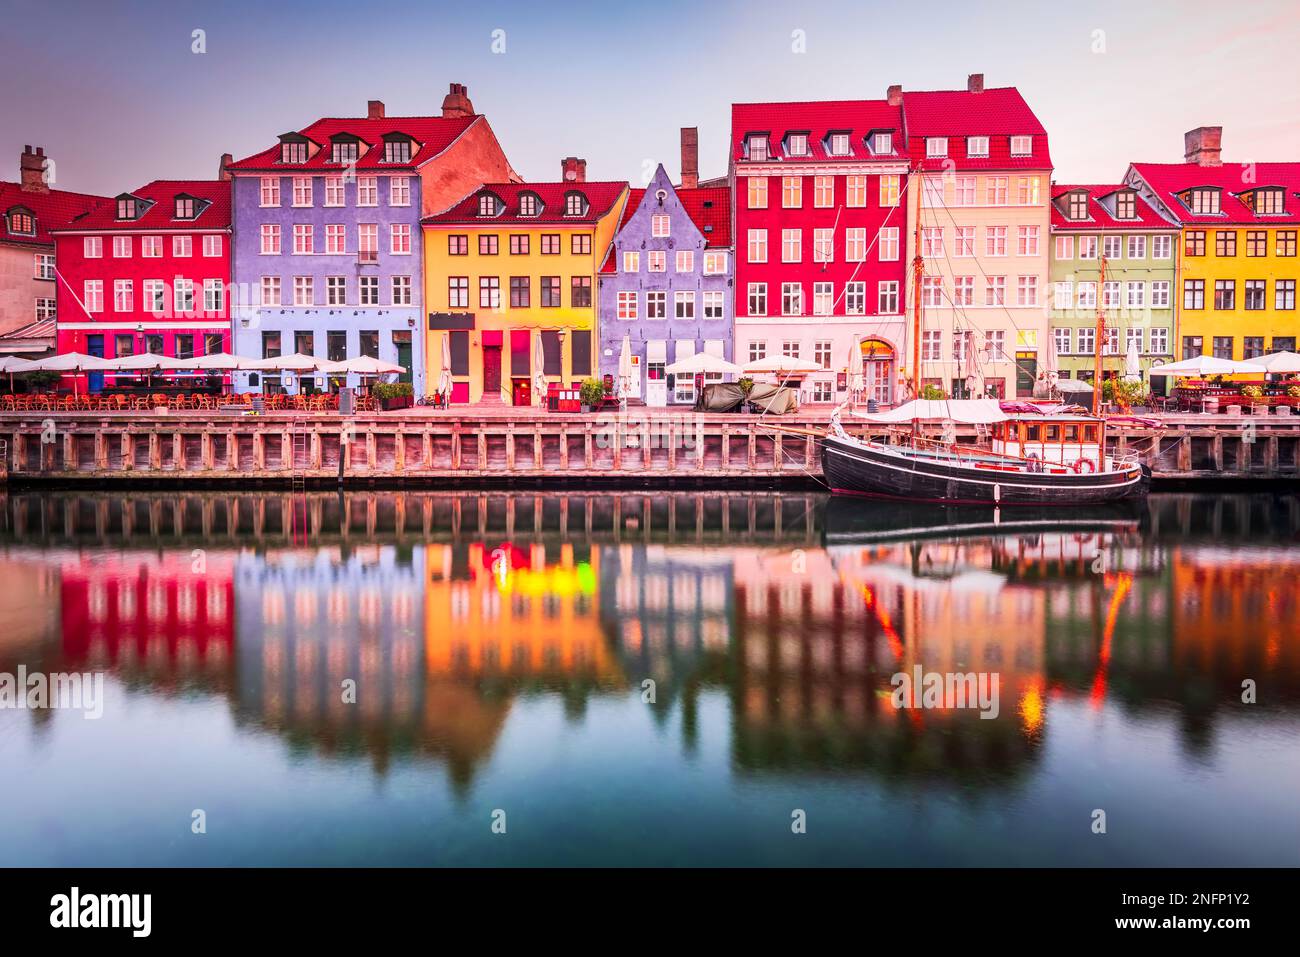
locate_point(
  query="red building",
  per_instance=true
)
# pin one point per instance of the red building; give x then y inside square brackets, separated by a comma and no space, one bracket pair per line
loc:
[148,272]
[820,236]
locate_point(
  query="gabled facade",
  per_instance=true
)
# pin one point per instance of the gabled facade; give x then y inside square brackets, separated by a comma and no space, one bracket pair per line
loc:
[666,285]
[29,209]
[510,266]
[328,247]
[148,271]
[819,230]
[982,200]
[1238,266]
[1110,223]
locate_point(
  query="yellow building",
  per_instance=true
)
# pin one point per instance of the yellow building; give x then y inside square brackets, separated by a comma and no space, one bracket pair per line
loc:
[510,279]
[1237,266]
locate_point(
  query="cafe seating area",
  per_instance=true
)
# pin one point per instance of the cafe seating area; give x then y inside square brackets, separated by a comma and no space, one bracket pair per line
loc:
[174,402]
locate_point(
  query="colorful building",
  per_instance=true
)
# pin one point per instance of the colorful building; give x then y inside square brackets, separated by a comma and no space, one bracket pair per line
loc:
[328,248]
[666,285]
[819,226]
[1238,267]
[1114,225]
[147,272]
[982,202]
[508,267]
[30,209]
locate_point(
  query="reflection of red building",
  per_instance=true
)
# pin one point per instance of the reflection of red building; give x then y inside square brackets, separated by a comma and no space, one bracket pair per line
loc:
[174,611]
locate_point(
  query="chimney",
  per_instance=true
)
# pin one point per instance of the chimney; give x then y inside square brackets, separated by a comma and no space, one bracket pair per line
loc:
[455,103]
[895,95]
[975,83]
[31,168]
[574,169]
[690,157]
[375,109]
[222,171]
[1202,145]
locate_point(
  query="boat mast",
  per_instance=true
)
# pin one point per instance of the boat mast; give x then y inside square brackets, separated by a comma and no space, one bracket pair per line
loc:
[1101,339]
[918,268]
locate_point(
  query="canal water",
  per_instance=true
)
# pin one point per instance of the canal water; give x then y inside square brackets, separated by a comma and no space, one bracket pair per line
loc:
[647,679]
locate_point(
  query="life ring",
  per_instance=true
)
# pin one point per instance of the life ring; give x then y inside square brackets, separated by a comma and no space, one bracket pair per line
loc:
[1081,464]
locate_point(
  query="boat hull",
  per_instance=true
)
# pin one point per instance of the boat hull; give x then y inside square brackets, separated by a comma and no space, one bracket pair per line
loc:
[865,468]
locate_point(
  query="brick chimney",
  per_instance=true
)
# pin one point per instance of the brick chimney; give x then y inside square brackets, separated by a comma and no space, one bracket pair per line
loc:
[375,109]
[456,103]
[690,157]
[975,83]
[31,167]
[574,170]
[895,95]
[222,171]
[1202,145]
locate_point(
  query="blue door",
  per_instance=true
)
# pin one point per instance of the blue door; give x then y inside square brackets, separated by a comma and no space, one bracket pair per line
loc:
[95,347]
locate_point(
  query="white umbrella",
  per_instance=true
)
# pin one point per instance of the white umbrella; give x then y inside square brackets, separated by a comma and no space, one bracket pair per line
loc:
[857,376]
[539,371]
[8,362]
[1067,386]
[1132,365]
[1279,362]
[1051,361]
[294,362]
[1208,365]
[361,365]
[444,380]
[703,362]
[781,365]
[74,362]
[625,368]
[214,362]
[142,361]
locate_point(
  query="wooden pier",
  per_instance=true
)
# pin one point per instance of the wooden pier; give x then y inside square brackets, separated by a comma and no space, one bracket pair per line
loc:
[514,446]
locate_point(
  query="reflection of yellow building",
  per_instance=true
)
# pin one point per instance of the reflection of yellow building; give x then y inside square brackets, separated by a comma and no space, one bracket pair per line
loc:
[511,614]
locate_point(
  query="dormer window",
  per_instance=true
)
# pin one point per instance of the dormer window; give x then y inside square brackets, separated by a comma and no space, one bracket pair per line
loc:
[126,208]
[1202,202]
[293,151]
[575,204]
[936,146]
[882,144]
[345,150]
[1022,145]
[1077,206]
[186,208]
[839,144]
[796,144]
[397,150]
[1126,205]
[758,148]
[487,205]
[1269,201]
[22,222]
[977,146]
[529,204]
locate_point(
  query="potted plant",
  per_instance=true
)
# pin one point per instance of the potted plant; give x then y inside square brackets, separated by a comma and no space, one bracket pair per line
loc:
[393,395]
[746,385]
[592,394]
[932,393]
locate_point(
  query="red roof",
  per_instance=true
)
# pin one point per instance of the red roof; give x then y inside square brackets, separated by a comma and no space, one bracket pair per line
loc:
[998,113]
[51,209]
[162,214]
[818,119]
[1099,217]
[433,134]
[600,197]
[717,215]
[1167,180]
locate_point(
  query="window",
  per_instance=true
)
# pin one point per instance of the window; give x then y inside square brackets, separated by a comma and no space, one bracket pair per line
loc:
[792,192]
[270,239]
[487,205]
[1286,242]
[963,193]
[890,186]
[333,191]
[368,242]
[1160,294]
[574,204]
[932,192]
[335,239]
[715,263]
[995,344]
[1284,294]
[882,144]
[1222,347]
[1027,240]
[1077,206]
[580,244]
[1162,247]
[822,354]
[400,239]
[397,151]
[797,144]
[1064,247]
[1087,295]
[1022,145]
[823,245]
[22,222]
[685,260]
[1194,294]
[551,292]
[458,292]
[528,204]
[995,189]
[684,305]
[824,192]
[269,194]
[931,291]
[757,192]
[1284,343]
[713,303]
[1256,289]
[1062,337]
[855,244]
[121,247]
[1135,294]
[995,240]
[336,290]
[855,192]
[401,290]
[1062,295]
[931,345]
[1087,247]
[303,291]
[518,244]
[1026,290]
[1256,242]
[657,260]
[44,265]
[1160,341]
[184,295]
[270,290]
[823,298]
[1225,242]
[303,240]
[123,295]
[1194,242]
[367,191]
[995,291]
[399,191]
[550,244]
[336,345]
[1111,347]
[791,245]
[936,146]
[977,146]
[302,191]
[213,296]
[580,292]
[932,242]
[1028,190]
[519,292]
[1125,205]
[211,247]
[457,245]
[1087,341]
[93,295]
[487,244]
[888,239]
[92,247]
[343,151]
[791,299]
[1110,292]
[757,350]
[489,292]
[1112,247]
[886,296]
[960,345]
[1203,202]
[757,299]
[627,305]
[656,305]
[1225,294]
[1137,247]
[790,348]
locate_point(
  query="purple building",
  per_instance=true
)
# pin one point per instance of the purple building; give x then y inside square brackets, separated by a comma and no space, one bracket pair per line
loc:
[666,284]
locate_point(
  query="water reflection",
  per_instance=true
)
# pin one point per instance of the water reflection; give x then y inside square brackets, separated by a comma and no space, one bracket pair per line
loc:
[393,627]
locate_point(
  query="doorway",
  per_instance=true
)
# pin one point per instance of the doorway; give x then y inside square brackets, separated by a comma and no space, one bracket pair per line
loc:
[95,347]
[1026,373]
[492,372]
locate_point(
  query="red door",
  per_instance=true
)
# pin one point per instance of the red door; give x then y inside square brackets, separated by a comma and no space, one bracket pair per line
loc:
[491,370]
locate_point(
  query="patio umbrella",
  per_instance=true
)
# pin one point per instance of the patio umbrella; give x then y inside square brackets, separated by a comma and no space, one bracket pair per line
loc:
[294,362]
[1279,362]
[625,368]
[444,378]
[857,374]
[1132,365]
[214,362]
[1051,361]
[781,365]
[539,374]
[1209,365]
[6,365]
[361,365]
[1072,386]
[703,362]
[74,362]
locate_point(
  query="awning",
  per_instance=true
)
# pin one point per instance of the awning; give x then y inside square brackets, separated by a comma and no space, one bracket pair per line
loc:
[656,350]
[968,411]
[713,347]
[685,348]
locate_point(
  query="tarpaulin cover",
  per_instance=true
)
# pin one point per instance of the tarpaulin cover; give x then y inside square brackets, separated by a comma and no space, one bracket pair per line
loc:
[773,399]
[720,397]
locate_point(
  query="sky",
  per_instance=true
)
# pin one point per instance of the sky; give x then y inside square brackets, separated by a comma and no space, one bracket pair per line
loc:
[116,94]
